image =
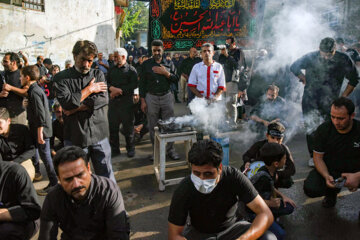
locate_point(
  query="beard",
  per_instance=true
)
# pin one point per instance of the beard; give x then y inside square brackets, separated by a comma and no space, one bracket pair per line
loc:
[157,57]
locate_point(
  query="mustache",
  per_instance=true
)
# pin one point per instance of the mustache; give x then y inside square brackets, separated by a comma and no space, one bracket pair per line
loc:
[77,189]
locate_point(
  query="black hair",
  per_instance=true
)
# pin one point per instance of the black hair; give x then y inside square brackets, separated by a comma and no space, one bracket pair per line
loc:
[13,57]
[272,152]
[206,152]
[327,45]
[157,43]
[340,40]
[32,71]
[232,39]
[69,154]
[85,46]
[346,102]
[4,113]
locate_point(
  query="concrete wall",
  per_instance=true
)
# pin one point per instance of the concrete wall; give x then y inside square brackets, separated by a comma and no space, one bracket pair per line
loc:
[54,32]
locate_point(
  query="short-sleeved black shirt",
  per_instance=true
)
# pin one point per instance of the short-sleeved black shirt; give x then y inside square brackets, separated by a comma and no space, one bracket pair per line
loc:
[341,151]
[214,212]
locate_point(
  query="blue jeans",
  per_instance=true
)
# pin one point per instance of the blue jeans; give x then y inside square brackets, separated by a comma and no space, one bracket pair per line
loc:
[45,155]
[100,155]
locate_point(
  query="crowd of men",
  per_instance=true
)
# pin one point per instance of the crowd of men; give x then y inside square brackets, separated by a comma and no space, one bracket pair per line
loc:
[71,117]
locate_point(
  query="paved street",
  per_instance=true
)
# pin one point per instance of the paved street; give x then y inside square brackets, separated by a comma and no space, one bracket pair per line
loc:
[148,207]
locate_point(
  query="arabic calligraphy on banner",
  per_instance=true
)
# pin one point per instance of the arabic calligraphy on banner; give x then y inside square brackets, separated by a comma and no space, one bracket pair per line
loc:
[182,24]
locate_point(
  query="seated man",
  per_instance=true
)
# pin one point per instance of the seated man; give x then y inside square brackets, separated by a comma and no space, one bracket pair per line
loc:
[16,143]
[210,197]
[84,206]
[336,153]
[272,108]
[58,129]
[19,206]
[275,133]
[274,156]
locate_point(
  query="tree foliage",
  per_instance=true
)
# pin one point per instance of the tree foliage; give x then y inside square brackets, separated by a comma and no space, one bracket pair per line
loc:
[137,18]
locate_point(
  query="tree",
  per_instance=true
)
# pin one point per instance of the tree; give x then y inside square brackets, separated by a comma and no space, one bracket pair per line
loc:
[137,18]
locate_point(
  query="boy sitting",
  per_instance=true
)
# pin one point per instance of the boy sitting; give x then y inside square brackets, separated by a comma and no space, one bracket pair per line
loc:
[274,157]
[275,134]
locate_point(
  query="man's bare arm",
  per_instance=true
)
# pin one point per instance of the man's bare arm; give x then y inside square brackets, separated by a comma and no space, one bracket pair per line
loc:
[196,92]
[18,91]
[5,215]
[175,232]
[262,221]
[322,169]
[349,89]
[93,87]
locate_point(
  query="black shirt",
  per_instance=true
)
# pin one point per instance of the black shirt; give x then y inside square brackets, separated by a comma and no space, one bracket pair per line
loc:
[341,151]
[230,65]
[101,215]
[324,78]
[83,128]
[38,113]
[124,77]
[17,193]
[42,69]
[12,102]
[187,65]
[18,146]
[214,212]
[58,132]
[264,183]
[151,82]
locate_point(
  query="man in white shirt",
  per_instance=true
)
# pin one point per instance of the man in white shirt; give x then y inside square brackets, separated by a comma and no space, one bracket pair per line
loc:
[207,78]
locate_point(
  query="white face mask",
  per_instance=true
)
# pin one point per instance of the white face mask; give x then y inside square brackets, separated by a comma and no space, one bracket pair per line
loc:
[204,186]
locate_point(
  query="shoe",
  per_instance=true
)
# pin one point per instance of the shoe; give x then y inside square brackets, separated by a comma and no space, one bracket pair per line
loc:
[173,155]
[44,191]
[311,162]
[329,201]
[131,153]
[38,176]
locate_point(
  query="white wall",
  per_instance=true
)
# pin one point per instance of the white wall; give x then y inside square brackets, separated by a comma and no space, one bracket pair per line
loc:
[65,21]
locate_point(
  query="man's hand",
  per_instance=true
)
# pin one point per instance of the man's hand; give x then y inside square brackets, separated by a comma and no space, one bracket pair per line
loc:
[4,94]
[7,87]
[82,107]
[143,105]
[352,181]
[185,76]
[288,200]
[330,181]
[161,70]
[137,129]
[41,140]
[274,202]
[96,87]
[302,78]
[247,165]
[114,92]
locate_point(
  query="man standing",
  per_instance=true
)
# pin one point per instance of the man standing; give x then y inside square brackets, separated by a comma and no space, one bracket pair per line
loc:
[122,80]
[154,86]
[185,70]
[102,63]
[20,208]
[42,68]
[83,205]
[324,74]
[336,153]
[207,78]
[239,56]
[82,93]
[210,198]
[11,95]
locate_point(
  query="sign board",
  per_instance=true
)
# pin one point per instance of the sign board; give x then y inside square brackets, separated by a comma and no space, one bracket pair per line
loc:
[182,24]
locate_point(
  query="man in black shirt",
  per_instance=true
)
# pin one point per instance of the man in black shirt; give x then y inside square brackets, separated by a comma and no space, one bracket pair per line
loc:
[84,206]
[239,56]
[185,70]
[336,152]
[19,206]
[15,143]
[122,80]
[58,129]
[42,69]
[324,74]
[210,197]
[82,93]
[154,86]
[39,121]
[11,95]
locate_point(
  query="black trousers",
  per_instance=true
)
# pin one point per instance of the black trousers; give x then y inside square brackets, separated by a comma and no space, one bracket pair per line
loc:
[121,112]
[315,185]
[18,231]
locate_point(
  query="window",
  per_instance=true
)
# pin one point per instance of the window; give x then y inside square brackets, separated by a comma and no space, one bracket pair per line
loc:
[37,5]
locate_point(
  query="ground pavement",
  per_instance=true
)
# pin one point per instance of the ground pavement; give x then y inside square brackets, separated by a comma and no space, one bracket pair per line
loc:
[148,208]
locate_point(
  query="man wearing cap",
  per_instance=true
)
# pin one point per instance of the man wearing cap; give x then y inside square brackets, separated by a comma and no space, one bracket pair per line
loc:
[275,134]
[207,78]
[324,74]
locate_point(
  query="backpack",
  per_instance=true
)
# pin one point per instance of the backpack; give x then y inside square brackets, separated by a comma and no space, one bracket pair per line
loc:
[254,179]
